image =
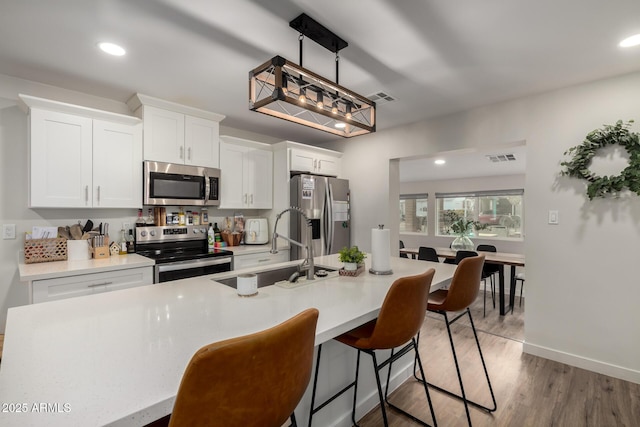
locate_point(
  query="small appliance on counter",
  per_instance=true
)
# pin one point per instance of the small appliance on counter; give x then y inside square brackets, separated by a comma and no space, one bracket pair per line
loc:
[256,231]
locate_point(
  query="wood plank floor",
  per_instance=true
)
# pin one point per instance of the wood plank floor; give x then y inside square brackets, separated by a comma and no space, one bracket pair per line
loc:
[530,391]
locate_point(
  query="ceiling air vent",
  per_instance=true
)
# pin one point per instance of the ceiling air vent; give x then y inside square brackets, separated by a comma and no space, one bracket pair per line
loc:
[495,158]
[381,97]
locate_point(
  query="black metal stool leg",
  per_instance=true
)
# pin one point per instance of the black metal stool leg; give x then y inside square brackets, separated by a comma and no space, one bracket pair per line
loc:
[355,391]
[314,409]
[293,420]
[455,360]
[315,384]
[382,399]
[417,358]
[466,401]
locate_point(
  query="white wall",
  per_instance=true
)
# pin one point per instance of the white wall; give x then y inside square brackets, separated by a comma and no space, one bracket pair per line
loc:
[570,266]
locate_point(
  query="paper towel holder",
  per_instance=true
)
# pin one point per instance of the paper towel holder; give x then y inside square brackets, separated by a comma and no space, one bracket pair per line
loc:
[386,272]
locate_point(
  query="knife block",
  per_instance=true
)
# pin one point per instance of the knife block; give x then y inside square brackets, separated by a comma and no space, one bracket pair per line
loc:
[101,252]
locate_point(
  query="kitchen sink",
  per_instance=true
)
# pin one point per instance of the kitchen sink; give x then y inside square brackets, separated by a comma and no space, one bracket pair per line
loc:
[271,277]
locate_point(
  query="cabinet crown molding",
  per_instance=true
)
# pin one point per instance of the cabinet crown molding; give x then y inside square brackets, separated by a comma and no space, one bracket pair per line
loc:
[27,102]
[139,100]
[312,148]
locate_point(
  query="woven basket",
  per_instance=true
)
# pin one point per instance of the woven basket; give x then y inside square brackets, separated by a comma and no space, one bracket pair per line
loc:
[353,273]
[45,250]
[230,238]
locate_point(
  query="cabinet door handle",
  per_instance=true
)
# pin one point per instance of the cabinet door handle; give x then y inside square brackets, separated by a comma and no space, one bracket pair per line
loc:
[98,195]
[245,198]
[182,152]
[251,199]
[93,285]
[189,153]
[86,194]
[315,163]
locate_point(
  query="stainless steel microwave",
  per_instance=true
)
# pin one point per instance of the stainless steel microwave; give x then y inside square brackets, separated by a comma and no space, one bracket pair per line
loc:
[174,185]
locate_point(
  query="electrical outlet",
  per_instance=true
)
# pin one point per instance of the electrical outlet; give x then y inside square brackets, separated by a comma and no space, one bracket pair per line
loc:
[553,218]
[8,231]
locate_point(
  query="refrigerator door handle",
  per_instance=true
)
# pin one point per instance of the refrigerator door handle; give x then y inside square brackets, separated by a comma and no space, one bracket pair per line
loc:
[325,223]
[330,217]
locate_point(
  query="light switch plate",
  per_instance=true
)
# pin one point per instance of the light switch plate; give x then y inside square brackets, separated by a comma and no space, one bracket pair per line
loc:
[553,217]
[8,231]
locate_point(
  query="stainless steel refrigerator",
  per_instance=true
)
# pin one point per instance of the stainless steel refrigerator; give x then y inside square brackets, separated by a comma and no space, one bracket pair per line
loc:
[326,202]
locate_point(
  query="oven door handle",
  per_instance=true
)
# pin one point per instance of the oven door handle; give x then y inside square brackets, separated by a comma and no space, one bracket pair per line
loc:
[185,265]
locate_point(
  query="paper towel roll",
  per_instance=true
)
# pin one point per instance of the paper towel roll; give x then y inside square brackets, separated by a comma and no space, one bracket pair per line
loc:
[380,251]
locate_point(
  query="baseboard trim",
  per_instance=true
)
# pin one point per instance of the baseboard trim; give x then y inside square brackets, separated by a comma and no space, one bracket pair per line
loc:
[593,365]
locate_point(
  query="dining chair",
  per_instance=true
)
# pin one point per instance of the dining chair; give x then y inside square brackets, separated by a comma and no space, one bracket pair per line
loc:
[488,272]
[462,254]
[252,380]
[462,292]
[426,253]
[519,277]
[400,318]
[402,247]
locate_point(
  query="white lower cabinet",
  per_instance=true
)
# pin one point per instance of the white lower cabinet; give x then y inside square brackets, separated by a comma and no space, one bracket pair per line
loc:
[86,284]
[259,259]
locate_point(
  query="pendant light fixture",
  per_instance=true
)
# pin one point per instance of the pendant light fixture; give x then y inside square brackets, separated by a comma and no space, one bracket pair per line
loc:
[282,89]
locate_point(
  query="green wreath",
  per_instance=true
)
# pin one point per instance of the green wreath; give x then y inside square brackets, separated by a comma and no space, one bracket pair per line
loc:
[601,186]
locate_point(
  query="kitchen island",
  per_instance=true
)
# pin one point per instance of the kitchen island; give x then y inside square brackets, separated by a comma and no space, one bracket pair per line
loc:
[117,358]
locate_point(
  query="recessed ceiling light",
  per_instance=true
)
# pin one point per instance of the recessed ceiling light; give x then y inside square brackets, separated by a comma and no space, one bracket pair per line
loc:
[340,125]
[439,162]
[630,41]
[111,49]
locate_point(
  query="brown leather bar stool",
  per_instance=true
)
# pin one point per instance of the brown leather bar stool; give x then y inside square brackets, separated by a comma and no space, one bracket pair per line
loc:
[400,319]
[253,380]
[462,292]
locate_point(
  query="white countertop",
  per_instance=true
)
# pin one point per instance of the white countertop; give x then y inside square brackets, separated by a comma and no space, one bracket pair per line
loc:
[48,270]
[117,358]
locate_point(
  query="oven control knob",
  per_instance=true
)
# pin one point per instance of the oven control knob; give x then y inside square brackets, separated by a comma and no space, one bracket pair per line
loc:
[143,233]
[152,233]
[202,230]
[195,231]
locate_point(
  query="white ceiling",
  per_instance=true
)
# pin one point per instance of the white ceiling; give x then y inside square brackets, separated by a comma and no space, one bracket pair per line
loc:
[465,164]
[434,57]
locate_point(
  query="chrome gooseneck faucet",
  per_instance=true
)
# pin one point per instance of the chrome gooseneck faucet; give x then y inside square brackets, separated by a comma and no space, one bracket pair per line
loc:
[307,264]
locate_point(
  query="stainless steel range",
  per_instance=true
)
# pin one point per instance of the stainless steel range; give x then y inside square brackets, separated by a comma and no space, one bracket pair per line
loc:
[180,252]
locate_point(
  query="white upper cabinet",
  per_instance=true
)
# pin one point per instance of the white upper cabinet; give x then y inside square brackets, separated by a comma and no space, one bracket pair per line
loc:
[80,157]
[315,161]
[175,133]
[117,165]
[246,174]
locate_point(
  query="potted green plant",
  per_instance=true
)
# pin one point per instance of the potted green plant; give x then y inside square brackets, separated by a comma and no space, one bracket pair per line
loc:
[352,257]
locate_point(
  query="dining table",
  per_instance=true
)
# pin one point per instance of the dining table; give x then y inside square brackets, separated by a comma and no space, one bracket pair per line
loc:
[501,258]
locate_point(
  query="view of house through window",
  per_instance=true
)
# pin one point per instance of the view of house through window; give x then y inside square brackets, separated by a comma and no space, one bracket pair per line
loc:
[496,213]
[413,213]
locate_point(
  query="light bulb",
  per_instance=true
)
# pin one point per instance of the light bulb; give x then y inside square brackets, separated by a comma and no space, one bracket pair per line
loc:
[319,104]
[302,99]
[348,115]
[630,41]
[112,49]
[334,110]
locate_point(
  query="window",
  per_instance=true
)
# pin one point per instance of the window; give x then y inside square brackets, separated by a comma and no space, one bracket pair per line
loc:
[413,213]
[498,213]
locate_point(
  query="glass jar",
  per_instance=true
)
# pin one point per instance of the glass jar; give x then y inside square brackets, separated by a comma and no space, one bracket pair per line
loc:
[462,243]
